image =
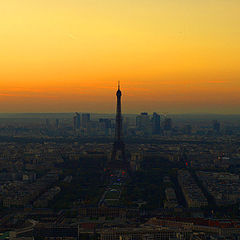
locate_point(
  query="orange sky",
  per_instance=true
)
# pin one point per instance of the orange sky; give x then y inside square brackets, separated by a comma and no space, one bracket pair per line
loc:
[176,56]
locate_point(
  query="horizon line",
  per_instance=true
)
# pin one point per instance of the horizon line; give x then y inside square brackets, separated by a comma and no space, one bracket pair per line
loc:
[112,113]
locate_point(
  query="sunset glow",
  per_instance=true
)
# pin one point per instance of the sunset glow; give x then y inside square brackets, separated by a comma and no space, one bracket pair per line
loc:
[170,55]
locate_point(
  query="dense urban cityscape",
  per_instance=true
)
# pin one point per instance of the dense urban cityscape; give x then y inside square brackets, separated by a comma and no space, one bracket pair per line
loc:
[119,120]
[94,176]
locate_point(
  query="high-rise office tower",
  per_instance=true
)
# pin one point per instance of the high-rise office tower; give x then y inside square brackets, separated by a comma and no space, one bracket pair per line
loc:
[85,119]
[75,123]
[57,123]
[78,120]
[105,125]
[156,127]
[167,124]
[143,123]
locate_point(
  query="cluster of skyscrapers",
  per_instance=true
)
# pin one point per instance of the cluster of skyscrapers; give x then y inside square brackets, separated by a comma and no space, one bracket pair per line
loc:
[143,124]
[81,120]
[151,125]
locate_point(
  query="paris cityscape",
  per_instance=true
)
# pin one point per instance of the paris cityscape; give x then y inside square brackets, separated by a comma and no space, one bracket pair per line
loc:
[119,120]
[96,176]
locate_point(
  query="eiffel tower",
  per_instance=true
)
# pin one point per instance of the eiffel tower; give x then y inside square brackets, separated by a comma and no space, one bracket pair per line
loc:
[118,157]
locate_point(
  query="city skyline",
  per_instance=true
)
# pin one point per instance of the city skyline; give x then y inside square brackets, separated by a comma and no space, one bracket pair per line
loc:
[119,119]
[171,56]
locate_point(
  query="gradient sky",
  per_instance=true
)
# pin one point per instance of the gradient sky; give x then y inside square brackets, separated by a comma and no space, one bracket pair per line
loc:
[176,56]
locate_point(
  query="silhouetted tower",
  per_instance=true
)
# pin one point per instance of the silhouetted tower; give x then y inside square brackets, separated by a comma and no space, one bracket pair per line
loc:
[85,119]
[75,123]
[78,120]
[156,121]
[119,145]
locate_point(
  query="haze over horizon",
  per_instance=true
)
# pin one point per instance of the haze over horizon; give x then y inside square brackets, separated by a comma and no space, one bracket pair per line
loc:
[171,56]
